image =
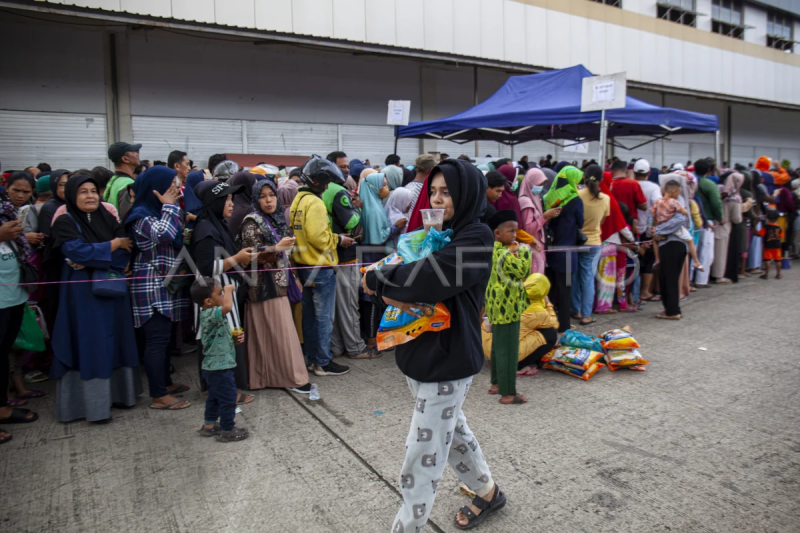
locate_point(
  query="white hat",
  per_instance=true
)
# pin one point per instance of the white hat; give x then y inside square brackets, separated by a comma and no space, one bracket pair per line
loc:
[676,166]
[641,167]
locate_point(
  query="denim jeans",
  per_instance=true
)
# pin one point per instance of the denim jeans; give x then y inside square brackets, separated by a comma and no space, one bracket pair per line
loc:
[222,396]
[319,305]
[583,282]
[157,336]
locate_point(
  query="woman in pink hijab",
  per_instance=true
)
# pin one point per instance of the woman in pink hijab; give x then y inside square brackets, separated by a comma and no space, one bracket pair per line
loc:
[534,217]
[508,200]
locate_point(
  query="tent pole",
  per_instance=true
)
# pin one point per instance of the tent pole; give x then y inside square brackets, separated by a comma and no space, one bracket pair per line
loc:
[395,141]
[717,149]
[512,153]
[602,161]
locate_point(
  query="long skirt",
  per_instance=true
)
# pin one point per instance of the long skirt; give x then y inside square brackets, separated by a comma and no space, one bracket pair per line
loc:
[756,250]
[91,399]
[734,253]
[275,358]
[722,235]
[611,280]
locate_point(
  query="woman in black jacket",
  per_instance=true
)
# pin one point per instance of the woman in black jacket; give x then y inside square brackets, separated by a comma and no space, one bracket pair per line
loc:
[439,366]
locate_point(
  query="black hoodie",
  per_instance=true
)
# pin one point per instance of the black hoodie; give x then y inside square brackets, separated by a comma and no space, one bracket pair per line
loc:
[454,353]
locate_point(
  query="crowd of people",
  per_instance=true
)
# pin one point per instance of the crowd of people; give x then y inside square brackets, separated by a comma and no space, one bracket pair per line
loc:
[257,270]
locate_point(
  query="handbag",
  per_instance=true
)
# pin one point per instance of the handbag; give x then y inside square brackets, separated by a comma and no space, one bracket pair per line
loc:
[27,272]
[109,283]
[30,336]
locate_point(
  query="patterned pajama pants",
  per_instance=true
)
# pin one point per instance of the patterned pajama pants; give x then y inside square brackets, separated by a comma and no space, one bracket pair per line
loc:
[439,433]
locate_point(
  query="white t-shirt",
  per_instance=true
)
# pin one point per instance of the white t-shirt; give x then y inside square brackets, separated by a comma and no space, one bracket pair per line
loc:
[652,192]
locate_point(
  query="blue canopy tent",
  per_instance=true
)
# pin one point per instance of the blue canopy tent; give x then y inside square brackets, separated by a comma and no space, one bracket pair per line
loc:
[547,106]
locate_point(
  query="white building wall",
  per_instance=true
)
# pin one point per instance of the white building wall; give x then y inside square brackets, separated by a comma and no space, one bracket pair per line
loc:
[703,7]
[756,17]
[492,29]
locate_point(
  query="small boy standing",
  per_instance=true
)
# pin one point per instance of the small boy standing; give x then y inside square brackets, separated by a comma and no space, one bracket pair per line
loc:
[219,359]
[506,299]
[773,235]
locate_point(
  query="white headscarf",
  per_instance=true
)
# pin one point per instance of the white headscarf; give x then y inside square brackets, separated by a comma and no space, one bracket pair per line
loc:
[398,204]
[680,177]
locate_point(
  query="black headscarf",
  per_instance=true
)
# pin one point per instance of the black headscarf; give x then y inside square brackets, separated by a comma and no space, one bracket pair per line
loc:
[242,203]
[210,222]
[467,186]
[50,206]
[94,227]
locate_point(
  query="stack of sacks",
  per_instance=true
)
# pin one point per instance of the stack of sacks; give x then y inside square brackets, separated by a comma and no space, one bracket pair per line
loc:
[578,355]
[622,350]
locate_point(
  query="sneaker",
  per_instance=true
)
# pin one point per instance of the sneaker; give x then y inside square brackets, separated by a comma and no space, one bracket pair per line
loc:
[331,369]
[305,389]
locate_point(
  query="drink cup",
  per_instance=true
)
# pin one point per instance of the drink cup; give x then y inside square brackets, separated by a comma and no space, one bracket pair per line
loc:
[432,218]
[236,332]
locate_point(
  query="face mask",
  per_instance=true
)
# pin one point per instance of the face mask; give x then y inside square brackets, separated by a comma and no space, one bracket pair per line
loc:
[515,186]
[537,189]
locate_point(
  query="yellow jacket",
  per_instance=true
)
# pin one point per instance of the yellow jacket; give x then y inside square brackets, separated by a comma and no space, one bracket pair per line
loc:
[316,243]
[539,315]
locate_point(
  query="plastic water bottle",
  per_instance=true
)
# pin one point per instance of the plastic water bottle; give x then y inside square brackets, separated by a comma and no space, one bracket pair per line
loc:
[314,394]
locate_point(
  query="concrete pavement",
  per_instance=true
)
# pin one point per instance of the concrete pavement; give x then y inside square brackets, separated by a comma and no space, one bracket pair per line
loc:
[701,441]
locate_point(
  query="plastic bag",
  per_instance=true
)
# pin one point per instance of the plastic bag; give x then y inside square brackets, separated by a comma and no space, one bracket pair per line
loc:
[576,339]
[585,375]
[619,339]
[625,358]
[396,327]
[573,357]
[30,336]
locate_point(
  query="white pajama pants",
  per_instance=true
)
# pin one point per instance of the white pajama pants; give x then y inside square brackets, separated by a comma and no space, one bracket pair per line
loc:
[705,253]
[439,433]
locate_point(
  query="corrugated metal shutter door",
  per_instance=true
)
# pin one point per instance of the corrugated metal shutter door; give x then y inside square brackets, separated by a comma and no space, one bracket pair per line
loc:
[743,155]
[647,151]
[792,155]
[200,138]
[64,140]
[290,138]
[676,152]
[375,143]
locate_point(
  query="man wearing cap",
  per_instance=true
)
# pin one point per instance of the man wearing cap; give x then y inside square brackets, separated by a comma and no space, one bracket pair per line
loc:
[125,157]
[641,171]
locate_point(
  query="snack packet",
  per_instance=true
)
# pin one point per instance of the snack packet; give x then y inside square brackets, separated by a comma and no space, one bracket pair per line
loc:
[576,339]
[640,368]
[391,259]
[619,339]
[625,358]
[585,375]
[573,357]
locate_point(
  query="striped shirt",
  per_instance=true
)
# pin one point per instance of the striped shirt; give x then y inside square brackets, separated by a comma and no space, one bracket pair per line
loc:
[156,256]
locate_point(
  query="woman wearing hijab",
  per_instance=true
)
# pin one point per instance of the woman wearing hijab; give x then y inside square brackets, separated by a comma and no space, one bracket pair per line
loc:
[397,207]
[95,357]
[156,225]
[286,194]
[242,202]
[439,366]
[215,254]
[731,214]
[733,187]
[191,204]
[564,229]
[534,217]
[785,203]
[51,257]
[613,258]
[13,297]
[508,200]
[377,232]
[394,176]
[275,356]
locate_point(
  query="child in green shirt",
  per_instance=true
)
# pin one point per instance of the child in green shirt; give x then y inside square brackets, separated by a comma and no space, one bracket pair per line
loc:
[506,299]
[219,359]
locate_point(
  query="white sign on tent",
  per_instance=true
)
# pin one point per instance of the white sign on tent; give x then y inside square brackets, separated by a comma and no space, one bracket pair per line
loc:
[399,112]
[604,92]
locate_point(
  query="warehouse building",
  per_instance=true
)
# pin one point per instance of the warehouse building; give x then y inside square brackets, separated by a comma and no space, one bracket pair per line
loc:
[281,79]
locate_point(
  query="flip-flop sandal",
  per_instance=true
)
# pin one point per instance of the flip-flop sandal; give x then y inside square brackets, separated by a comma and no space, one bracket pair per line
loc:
[629,309]
[494,393]
[592,321]
[665,317]
[487,507]
[7,438]
[19,416]
[169,406]
[242,398]
[17,402]
[518,400]
[31,394]
[609,312]
[179,389]
[35,376]
[528,372]
[576,316]
[233,435]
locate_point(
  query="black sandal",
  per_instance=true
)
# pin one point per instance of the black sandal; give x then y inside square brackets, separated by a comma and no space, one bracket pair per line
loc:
[487,508]
[19,416]
[236,434]
[6,438]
